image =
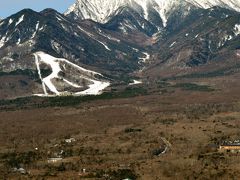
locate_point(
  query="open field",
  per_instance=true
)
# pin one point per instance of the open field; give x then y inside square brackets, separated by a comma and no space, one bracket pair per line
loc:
[169,132]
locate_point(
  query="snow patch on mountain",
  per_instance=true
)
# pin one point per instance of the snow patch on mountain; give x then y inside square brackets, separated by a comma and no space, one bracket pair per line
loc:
[18,41]
[1,23]
[94,88]
[171,45]
[36,29]
[135,82]
[20,20]
[72,84]
[144,5]
[10,21]
[237,29]
[3,40]
[144,59]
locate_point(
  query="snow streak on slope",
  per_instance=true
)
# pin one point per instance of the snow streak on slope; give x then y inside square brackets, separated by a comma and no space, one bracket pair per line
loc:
[39,73]
[94,86]
[20,20]
[92,36]
[36,29]
[135,82]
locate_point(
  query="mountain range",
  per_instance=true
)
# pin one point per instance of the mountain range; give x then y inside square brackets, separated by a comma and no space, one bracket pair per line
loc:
[103,11]
[119,40]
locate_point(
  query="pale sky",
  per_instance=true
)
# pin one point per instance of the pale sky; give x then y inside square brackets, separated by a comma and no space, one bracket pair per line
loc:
[9,7]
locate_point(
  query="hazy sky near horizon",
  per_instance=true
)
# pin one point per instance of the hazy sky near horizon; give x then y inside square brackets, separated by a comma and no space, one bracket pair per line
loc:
[9,7]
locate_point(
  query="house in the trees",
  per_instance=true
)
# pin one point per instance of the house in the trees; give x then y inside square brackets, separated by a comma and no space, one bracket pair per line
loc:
[233,147]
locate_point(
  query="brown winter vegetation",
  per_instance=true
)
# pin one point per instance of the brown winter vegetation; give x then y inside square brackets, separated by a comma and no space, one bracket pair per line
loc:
[172,131]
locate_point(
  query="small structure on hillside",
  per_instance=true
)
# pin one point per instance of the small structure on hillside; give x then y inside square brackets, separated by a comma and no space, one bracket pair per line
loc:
[54,160]
[230,146]
[70,140]
[83,173]
[20,170]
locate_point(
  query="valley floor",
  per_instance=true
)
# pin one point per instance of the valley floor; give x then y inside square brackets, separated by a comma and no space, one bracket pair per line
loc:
[169,133]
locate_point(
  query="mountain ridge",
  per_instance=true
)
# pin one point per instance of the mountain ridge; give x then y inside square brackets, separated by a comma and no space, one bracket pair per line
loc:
[102,11]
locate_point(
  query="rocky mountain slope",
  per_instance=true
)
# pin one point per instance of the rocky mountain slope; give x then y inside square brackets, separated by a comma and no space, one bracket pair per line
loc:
[83,42]
[119,39]
[207,41]
[86,44]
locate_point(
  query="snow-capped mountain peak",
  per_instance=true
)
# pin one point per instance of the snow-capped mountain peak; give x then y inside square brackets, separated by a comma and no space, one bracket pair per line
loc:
[102,10]
[97,10]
